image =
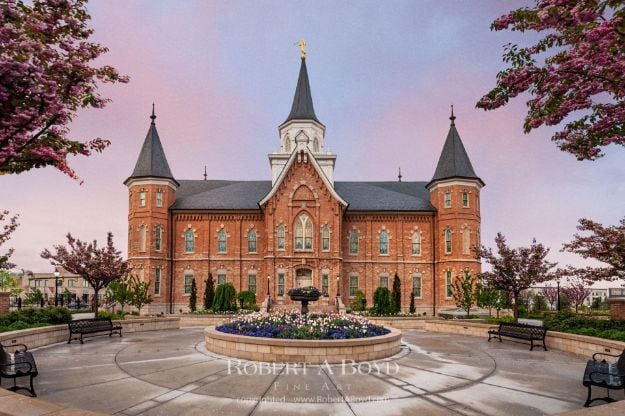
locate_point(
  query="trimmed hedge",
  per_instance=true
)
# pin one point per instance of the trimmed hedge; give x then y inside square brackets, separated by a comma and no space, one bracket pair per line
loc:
[34,317]
[581,325]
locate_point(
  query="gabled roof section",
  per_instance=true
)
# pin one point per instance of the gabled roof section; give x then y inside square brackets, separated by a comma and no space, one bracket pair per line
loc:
[314,163]
[454,161]
[152,162]
[302,108]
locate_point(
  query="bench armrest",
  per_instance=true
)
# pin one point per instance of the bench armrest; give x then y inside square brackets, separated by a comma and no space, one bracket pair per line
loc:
[621,376]
[493,328]
[15,345]
[18,365]
[603,353]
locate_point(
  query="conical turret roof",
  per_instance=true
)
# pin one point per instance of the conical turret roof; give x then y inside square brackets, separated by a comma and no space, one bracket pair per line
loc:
[302,108]
[152,162]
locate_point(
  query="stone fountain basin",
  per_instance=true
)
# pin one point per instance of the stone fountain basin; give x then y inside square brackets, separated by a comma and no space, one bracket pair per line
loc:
[303,351]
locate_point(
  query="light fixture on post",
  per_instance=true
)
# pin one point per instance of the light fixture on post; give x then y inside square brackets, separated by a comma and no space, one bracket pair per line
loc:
[268,285]
[56,287]
[558,286]
[338,290]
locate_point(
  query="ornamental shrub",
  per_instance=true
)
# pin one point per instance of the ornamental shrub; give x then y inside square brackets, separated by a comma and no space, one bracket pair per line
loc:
[51,315]
[383,302]
[209,292]
[396,294]
[247,299]
[411,309]
[360,302]
[193,297]
[225,298]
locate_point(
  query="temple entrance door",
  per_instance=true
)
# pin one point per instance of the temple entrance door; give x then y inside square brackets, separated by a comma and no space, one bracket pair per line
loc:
[303,278]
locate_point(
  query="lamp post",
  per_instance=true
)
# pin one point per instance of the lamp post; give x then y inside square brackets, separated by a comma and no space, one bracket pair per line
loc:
[338,289]
[558,303]
[56,287]
[268,285]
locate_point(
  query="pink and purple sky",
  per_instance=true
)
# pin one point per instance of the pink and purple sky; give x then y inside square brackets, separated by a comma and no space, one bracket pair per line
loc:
[383,75]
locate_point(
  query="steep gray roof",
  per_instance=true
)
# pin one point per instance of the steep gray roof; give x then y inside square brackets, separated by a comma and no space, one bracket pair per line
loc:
[152,162]
[302,108]
[454,161]
[245,195]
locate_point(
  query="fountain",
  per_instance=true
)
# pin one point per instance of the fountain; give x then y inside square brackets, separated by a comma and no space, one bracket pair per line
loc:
[305,294]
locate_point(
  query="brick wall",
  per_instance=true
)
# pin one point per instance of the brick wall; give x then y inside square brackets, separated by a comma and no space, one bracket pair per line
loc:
[617,308]
[4,302]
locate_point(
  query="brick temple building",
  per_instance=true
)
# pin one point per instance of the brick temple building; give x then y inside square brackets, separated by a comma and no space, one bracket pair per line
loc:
[303,227]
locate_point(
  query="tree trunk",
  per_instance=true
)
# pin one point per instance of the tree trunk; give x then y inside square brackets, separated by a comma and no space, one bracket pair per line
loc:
[94,302]
[515,309]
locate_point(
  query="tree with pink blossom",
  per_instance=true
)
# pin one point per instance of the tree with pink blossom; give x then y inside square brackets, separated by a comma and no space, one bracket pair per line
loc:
[514,270]
[581,78]
[551,294]
[603,244]
[576,291]
[5,235]
[46,75]
[99,266]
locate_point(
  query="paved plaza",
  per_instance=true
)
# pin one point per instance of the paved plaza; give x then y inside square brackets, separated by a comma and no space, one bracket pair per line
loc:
[171,373]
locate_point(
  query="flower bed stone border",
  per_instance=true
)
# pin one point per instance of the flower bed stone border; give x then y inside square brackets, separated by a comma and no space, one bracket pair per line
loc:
[302,351]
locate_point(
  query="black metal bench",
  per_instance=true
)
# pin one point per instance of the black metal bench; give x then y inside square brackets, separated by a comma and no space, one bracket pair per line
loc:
[604,374]
[92,326]
[525,332]
[20,364]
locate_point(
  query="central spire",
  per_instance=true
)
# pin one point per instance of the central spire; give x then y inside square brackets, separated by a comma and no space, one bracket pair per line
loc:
[302,108]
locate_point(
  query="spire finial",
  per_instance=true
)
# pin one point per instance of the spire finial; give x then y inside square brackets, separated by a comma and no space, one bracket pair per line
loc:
[452,118]
[205,175]
[399,175]
[302,47]
[153,116]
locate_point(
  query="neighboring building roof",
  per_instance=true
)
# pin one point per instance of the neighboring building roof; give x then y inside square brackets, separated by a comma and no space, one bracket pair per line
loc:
[302,108]
[454,161]
[245,195]
[152,162]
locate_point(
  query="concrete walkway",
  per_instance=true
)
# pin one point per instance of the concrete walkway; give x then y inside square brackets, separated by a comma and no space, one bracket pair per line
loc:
[171,373]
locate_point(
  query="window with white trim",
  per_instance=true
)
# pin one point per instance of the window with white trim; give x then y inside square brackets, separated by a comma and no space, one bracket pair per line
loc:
[189,241]
[353,242]
[383,242]
[353,285]
[251,241]
[280,284]
[447,199]
[325,283]
[448,283]
[142,198]
[416,285]
[188,282]
[251,282]
[447,241]
[384,280]
[157,281]
[158,234]
[221,278]
[465,199]
[159,198]
[281,237]
[325,238]
[222,241]
[416,243]
[303,233]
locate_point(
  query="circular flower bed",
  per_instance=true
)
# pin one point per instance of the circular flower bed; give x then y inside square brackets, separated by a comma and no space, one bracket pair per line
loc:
[297,326]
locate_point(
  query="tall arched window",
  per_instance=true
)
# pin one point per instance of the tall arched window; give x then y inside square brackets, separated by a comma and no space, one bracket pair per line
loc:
[448,241]
[383,242]
[281,240]
[251,241]
[142,237]
[303,233]
[416,243]
[325,238]
[222,242]
[158,234]
[287,144]
[353,242]
[316,145]
[466,241]
[189,241]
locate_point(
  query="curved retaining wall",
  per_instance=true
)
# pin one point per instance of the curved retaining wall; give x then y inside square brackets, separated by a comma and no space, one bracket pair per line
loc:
[302,351]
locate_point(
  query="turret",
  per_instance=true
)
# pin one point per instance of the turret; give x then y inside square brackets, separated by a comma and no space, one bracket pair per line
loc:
[455,192]
[151,190]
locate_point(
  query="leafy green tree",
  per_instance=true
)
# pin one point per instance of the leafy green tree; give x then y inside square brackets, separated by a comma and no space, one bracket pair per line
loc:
[412,307]
[34,297]
[540,303]
[120,291]
[397,293]
[383,303]
[247,299]
[225,298]
[67,294]
[193,297]
[140,293]
[360,301]
[8,283]
[209,292]
[463,291]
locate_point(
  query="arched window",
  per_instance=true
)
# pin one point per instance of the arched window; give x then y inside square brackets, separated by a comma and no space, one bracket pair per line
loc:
[448,241]
[189,241]
[303,233]
[158,234]
[251,241]
[325,238]
[383,242]
[287,144]
[466,241]
[316,145]
[353,242]
[416,243]
[281,237]
[142,237]
[222,242]
[416,285]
